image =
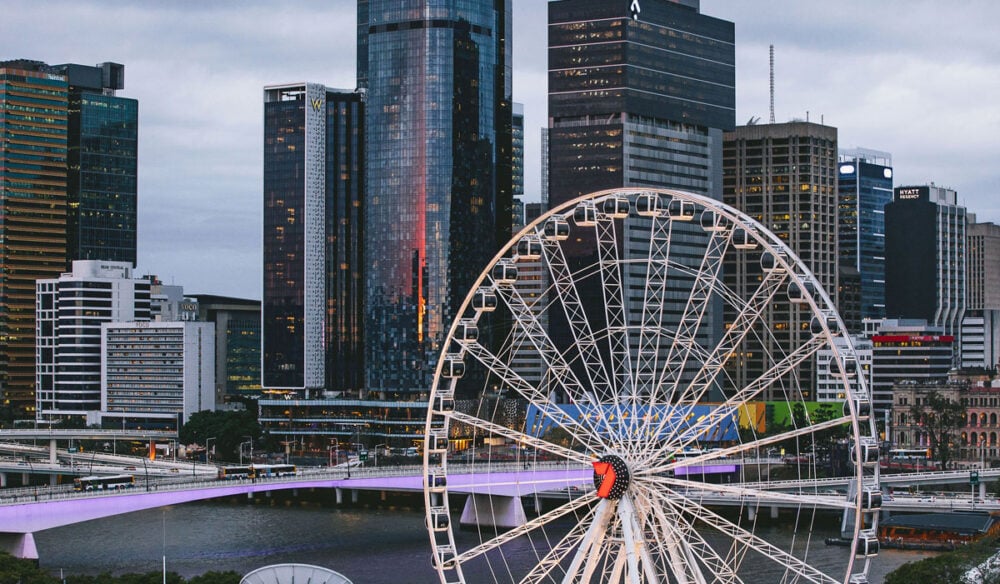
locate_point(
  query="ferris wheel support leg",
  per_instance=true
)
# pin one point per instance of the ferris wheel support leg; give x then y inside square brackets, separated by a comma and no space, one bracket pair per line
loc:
[592,540]
[636,551]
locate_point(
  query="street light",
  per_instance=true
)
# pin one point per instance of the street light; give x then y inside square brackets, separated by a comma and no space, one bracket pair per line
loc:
[208,450]
[250,438]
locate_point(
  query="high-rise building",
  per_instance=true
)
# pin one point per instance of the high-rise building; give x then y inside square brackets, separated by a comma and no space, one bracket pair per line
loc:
[980,335]
[784,176]
[864,187]
[101,221]
[637,98]
[313,239]
[438,173]
[33,150]
[71,310]
[156,374]
[925,251]
[237,344]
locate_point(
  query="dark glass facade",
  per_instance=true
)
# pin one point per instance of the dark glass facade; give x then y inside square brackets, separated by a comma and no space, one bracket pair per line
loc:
[102,160]
[864,188]
[438,173]
[33,146]
[313,246]
[637,101]
[237,344]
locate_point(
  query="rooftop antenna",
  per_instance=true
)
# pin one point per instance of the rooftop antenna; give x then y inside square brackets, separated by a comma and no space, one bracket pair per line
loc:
[772,84]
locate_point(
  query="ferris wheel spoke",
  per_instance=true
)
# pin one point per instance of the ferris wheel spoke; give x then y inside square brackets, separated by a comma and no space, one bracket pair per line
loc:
[691,489]
[669,520]
[653,300]
[583,336]
[685,436]
[542,571]
[698,302]
[613,291]
[748,446]
[522,438]
[751,313]
[583,431]
[536,523]
[764,548]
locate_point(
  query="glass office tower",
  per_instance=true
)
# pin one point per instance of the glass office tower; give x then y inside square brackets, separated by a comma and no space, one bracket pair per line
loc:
[33,144]
[864,187]
[313,173]
[102,165]
[438,172]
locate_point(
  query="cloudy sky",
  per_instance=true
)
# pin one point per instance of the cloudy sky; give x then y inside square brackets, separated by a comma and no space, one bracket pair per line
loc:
[916,78]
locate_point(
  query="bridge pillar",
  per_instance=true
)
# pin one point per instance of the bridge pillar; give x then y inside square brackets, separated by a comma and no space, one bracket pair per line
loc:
[250,495]
[53,480]
[982,491]
[19,545]
[383,496]
[751,513]
[493,511]
[25,479]
[340,495]
[354,495]
[3,480]
[774,511]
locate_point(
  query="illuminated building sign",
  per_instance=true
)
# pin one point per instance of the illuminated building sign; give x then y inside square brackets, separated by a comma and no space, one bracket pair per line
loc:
[912,193]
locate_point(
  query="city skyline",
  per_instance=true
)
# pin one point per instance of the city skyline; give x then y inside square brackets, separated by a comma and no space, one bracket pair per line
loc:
[197,73]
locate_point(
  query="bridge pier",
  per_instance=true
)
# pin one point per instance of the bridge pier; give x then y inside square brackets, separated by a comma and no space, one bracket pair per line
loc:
[3,480]
[52,451]
[982,491]
[774,511]
[19,545]
[25,479]
[751,513]
[340,495]
[354,495]
[493,511]
[250,495]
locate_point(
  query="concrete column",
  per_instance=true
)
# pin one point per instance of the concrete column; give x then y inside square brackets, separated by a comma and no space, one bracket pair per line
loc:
[53,480]
[25,477]
[774,511]
[751,513]
[19,545]
[3,480]
[52,451]
[354,495]
[250,495]
[340,495]
[982,491]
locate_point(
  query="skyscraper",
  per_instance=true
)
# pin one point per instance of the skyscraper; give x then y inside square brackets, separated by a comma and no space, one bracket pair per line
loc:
[313,247]
[33,146]
[101,222]
[438,167]
[784,176]
[864,188]
[980,336]
[925,255]
[637,96]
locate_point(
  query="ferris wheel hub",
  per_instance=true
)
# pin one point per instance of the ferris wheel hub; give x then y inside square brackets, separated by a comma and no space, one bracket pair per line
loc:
[611,477]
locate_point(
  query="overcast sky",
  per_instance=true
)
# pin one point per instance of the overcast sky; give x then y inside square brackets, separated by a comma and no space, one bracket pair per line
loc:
[918,79]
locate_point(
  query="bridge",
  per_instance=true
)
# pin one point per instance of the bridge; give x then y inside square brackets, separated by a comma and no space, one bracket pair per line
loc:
[27,510]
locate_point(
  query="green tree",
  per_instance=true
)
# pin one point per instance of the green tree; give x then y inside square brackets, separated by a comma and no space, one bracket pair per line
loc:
[229,577]
[228,428]
[15,570]
[940,418]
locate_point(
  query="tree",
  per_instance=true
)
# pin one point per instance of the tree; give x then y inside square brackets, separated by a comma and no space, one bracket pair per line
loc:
[228,428]
[939,418]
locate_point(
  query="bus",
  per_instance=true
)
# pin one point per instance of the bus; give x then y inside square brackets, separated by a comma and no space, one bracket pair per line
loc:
[254,471]
[910,458]
[273,470]
[103,483]
[235,472]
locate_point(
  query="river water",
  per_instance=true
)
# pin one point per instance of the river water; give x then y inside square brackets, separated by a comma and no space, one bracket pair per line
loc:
[368,544]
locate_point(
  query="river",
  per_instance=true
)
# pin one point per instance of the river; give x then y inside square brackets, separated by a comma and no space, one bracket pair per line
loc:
[369,545]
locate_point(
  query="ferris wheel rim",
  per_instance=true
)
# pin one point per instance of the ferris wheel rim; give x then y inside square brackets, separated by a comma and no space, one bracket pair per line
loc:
[796,271]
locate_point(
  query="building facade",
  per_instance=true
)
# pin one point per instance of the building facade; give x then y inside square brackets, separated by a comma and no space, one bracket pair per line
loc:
[438,173]
[102,186]
[156,374]
[981,323]
[784,176]
[910,352]
[33,154]
[237,344]
[829,383]
[313,239]
[70,312]
[925,244]
[864,188]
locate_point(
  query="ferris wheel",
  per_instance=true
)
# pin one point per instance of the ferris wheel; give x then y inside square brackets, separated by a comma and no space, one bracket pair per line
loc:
[629,394]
